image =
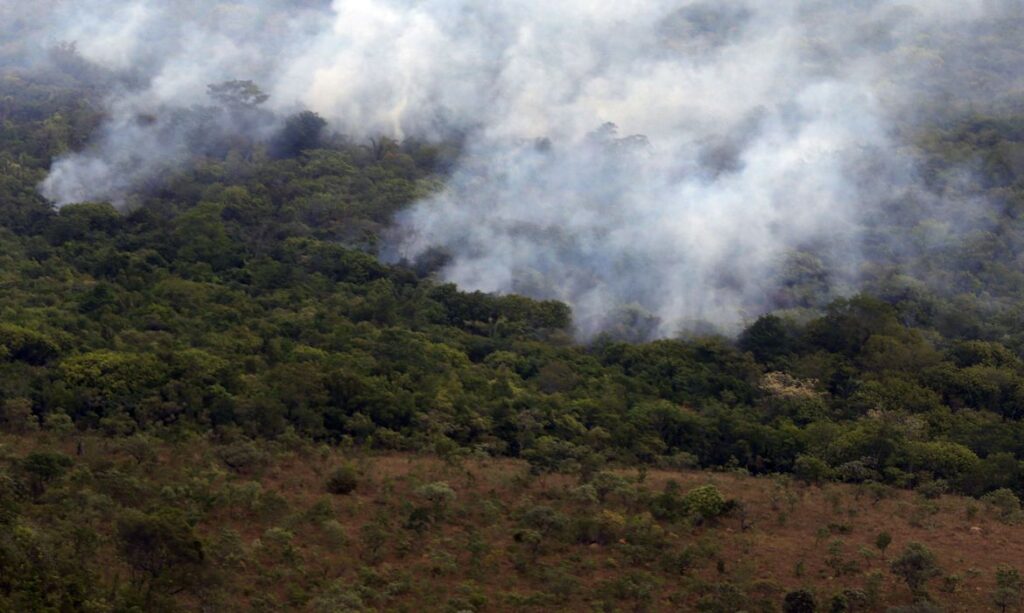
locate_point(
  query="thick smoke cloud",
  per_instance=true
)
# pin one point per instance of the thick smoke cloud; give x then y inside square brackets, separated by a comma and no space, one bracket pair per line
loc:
[671,155]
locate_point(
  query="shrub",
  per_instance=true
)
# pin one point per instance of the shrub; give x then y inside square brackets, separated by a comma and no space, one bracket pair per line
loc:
[951,583]
[320,511]
[544,519]
[856,472]
[848,600]
[439,494]
[877,492]
[680,460]
[585,494]
[278,542]
[882,541]
[343,480]
[610,527]
[140,448]
[42,467]
[338,596]
[608,483]
[16,414]
[706,502]
[244,457]
[334,533]
[668,505]
[916,565]
[943,458]
[810,469]
[58,421]
[160,548]
[1008,588]
[933,489]
[1005,502]
[799,601]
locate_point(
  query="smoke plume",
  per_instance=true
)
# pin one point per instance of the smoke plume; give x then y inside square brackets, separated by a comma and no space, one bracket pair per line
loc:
[674,162]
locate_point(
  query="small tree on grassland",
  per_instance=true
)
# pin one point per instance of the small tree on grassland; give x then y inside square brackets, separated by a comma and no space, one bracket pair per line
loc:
[1008,588]
[916,565]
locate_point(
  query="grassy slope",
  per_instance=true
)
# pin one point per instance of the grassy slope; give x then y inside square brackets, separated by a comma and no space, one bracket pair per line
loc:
[288,544]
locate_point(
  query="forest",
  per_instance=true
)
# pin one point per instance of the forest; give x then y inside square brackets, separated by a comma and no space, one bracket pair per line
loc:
[215,395]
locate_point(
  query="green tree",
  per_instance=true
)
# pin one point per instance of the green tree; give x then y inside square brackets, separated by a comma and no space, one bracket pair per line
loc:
[300,132]
[164,554]
[343,480]
[882,541]
[916,565]
[1008,588]
[42,468]
[705,502]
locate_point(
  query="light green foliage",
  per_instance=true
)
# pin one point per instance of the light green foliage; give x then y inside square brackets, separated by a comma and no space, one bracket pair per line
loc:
[439,495]
[705,502]
[811,469]
[18,415]
[945,459]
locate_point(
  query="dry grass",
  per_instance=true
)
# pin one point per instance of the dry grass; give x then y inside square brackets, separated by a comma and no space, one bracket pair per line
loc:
[784,526]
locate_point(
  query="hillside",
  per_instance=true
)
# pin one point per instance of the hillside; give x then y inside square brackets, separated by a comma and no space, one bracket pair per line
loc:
[238,380]
[468,533]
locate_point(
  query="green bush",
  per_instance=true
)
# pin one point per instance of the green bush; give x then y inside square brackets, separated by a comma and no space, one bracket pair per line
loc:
[856,472]
[933,489]
[810,469]
[1006,504]
[43,467]
[343,480]
[244,457]
[916,565]
[1008,588]
[705,502]
[799,601]
[439,494]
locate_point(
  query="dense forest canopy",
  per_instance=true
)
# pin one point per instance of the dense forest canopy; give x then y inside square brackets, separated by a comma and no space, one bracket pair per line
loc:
[248,271]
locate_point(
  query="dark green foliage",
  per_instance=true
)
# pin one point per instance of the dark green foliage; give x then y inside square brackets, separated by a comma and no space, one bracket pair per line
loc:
[343,480]
[1005,503]
[46,571]
[799,601]
[916,565]
[1008,588]
[244,457]
[300,132]
[769,339]
[810,469]
[882,541]
[163,553]
[20,343]
[42,468]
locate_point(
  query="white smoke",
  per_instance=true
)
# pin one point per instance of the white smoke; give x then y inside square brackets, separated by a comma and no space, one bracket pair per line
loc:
[746,130]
